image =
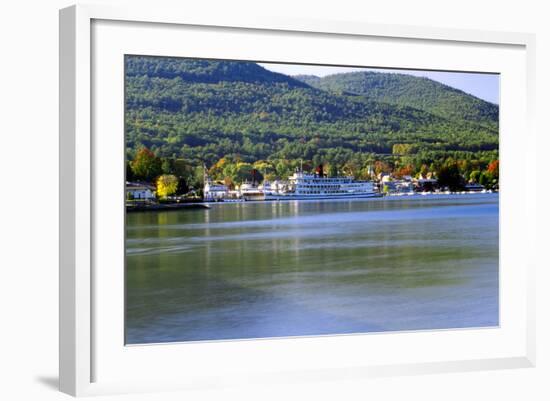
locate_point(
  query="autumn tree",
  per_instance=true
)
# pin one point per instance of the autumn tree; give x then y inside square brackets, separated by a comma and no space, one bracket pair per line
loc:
[424,170]
[493,169]
[167,185]
[263,166]
[217,169]
[228,182]
[146,165]
[404,171]
[381,167]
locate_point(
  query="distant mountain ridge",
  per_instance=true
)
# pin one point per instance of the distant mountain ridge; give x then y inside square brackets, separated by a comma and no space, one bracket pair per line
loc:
[407,90]
[204,71]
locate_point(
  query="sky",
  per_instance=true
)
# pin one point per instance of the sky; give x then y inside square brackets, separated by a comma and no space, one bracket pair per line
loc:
[483,86]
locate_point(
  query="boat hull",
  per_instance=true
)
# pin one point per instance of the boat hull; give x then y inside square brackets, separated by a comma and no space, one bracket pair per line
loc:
[282,197]
[254,197]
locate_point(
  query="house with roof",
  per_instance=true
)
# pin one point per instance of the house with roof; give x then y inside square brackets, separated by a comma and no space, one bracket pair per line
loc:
[139,191]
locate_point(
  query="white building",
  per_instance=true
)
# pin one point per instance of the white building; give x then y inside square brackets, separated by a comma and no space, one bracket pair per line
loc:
[138,190]
[214,191]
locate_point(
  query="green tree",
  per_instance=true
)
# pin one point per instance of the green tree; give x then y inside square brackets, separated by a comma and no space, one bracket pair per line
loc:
[332,170]
[475,176]
[449,176]
[241,172]
[403,149]
[129,172]
[167,166]
[484,179]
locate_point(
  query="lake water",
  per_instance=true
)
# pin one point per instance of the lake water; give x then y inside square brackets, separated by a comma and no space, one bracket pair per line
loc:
[301,268]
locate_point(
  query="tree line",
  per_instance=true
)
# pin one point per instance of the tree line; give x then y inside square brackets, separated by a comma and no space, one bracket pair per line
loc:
[178,176]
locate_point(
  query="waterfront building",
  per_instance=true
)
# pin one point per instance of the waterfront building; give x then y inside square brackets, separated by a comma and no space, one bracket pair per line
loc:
[426,184]
[139,191]
[398,186]
[214,191]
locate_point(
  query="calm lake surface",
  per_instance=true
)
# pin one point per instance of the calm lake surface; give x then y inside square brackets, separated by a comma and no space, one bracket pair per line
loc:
[300,268]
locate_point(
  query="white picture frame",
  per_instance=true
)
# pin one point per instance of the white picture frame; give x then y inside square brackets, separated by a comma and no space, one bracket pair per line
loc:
[84,328]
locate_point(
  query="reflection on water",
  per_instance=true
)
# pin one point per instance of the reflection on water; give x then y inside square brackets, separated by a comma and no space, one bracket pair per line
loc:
[269,269]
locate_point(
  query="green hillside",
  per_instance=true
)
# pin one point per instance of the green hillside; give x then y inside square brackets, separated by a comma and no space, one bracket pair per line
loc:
[204,110]
[204,71]
[406,90]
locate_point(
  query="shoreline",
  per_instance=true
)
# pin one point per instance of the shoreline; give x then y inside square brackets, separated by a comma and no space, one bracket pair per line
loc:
[166,207]
[350,198]
[208,204]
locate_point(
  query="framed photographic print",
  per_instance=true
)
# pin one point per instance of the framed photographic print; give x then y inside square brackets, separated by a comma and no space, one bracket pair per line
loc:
[270,201]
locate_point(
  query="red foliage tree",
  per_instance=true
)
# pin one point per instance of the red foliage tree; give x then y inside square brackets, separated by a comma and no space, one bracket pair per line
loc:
[493,167]
[146,165]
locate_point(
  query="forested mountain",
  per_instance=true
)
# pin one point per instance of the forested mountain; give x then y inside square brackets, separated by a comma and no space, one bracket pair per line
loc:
[407,90]
[202,111]
[204,71]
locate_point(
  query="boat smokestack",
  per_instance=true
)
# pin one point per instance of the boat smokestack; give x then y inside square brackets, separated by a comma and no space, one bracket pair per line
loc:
[319,171]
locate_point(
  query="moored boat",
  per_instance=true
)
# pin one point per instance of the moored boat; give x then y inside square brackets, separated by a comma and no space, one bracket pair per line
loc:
[317,186]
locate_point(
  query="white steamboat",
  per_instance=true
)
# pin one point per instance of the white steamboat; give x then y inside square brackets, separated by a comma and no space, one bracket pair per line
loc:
[317,186]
